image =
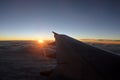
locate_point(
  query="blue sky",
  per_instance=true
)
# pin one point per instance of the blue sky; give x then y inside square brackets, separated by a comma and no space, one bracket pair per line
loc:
[31,19]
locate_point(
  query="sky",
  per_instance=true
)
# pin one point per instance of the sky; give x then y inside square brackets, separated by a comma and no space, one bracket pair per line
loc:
[36,19]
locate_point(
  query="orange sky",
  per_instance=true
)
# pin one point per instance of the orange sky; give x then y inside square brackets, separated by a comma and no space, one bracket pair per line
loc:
[102,41]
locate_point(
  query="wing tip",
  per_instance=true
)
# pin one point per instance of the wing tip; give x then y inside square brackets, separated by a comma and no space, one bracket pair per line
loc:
[54,33]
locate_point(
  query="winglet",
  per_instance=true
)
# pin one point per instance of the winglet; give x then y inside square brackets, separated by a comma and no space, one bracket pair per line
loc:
[54,33]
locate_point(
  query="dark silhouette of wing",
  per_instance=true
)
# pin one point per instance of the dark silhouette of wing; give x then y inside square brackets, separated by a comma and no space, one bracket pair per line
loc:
[79,61]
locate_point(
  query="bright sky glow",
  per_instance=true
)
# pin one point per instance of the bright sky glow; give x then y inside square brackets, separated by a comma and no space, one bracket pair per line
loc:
[40,41]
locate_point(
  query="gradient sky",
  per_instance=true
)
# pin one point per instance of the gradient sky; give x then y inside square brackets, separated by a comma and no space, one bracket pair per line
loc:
[32,19]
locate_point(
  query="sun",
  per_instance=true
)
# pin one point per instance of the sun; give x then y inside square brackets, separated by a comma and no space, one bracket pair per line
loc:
[40,41]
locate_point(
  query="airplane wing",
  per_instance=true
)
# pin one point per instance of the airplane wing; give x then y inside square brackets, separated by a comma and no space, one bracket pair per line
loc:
[79,61]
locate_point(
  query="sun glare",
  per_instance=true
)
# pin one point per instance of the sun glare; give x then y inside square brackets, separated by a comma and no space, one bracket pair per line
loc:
[40,41]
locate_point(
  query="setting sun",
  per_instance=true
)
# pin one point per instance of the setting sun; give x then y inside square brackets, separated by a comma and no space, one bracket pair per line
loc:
[40,41]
